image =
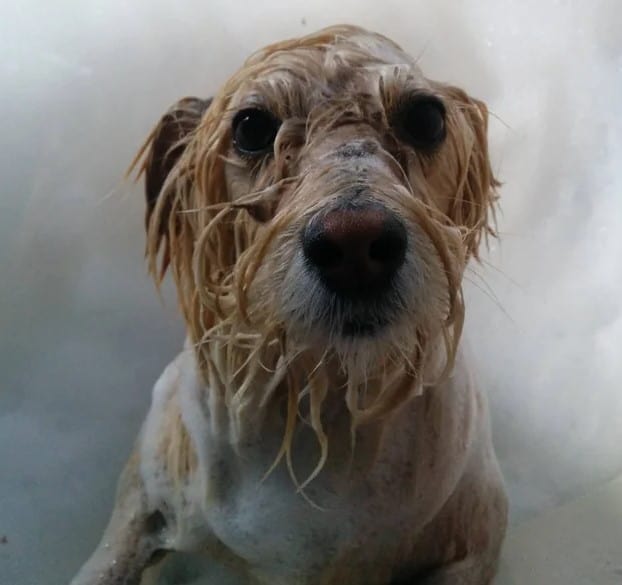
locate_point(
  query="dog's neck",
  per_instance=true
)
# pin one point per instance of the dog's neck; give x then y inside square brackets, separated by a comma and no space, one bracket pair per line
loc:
[257,387]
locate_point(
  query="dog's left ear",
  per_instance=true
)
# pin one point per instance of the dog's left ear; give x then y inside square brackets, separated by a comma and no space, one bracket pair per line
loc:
[472,207]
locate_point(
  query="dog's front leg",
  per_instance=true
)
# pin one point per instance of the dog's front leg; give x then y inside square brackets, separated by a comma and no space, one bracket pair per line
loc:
[131,540]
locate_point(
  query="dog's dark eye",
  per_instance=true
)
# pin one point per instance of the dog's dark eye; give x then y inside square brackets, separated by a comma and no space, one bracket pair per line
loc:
[254,131]
[421,122]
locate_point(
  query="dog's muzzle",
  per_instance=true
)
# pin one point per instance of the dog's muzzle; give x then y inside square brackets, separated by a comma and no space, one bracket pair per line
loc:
[356,253]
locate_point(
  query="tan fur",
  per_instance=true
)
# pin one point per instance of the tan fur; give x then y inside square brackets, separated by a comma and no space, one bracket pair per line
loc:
[226,229]
[215,249]
[175,446]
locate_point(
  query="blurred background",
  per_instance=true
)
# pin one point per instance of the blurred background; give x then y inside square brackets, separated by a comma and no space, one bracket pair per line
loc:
[83,335]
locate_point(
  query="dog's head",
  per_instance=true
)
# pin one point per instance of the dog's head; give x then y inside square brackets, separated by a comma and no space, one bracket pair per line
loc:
[324,203]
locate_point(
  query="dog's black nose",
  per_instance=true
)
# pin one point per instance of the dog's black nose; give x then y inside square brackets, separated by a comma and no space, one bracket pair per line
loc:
[356,251]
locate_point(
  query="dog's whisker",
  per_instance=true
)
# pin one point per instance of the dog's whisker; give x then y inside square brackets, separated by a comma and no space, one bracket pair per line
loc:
[117,190]
[505,275]
[492,297]
[485,286]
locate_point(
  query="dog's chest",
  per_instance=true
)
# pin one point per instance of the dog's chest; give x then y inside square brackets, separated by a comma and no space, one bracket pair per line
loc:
[357,512]
[280,531]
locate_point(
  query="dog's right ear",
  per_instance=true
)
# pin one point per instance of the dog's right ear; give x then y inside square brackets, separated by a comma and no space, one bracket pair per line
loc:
[167,143]
[159,154]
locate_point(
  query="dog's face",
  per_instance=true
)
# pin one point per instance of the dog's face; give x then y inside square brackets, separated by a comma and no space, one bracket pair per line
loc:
[329,194]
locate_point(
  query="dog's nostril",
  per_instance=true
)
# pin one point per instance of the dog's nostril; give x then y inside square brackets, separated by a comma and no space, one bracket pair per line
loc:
[389,248]
[322,252]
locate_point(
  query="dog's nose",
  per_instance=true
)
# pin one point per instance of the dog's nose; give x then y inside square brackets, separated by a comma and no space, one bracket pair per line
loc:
[356,251]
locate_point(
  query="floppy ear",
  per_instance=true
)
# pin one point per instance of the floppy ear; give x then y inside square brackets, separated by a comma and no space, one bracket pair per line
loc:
[160,153]
[166,144]
[473,204]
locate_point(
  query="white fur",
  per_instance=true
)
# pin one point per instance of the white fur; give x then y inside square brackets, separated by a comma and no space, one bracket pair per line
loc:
[279,534]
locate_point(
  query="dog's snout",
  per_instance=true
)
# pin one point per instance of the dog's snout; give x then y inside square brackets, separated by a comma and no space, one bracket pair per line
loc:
[356,251]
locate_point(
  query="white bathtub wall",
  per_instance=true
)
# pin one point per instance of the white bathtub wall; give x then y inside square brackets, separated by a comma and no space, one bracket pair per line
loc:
[83,335]
[579,543]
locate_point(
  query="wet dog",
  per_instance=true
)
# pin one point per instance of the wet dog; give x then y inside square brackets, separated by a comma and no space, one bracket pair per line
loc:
[321,425]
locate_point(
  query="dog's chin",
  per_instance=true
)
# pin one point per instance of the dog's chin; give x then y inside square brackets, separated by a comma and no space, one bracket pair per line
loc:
[346,321]
[364,323]
[314,313]
[360,328]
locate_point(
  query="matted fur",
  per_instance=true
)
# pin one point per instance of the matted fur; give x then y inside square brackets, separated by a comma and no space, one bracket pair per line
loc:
[227,250]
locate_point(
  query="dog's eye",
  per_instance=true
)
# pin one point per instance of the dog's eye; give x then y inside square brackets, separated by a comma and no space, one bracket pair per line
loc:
[421,122]
[254,131]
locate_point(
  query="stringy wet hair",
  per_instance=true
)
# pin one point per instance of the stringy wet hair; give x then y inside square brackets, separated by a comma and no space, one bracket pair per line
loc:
[216,249]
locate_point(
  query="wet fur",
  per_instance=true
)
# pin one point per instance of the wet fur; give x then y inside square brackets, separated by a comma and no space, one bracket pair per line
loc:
[269,401]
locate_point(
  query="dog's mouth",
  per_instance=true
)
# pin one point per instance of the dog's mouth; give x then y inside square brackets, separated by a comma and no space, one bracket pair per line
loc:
[360,328]
[359,317]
